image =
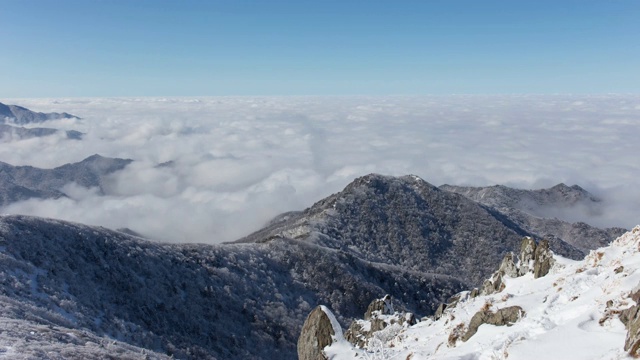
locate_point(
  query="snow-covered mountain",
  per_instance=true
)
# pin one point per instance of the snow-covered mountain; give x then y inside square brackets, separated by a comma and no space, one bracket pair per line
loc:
[97,289]
[411,223]
[22,116]
[583,309]
[88,290]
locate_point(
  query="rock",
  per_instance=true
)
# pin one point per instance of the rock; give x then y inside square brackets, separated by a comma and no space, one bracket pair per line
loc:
[493,285]
[631,319]
[379,315]
[505,316]
[543,259]
[319,330]
[527,255]
[474,293]
[439,311]
[508,266]
[384,306]
[619,269]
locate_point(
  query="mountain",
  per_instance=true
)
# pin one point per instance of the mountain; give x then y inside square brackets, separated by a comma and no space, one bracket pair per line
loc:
[22,116]
[542,211]
[408,222]
[71,284]
[585,309]
[248,299]
[8,132]
[24,182]
[530,201]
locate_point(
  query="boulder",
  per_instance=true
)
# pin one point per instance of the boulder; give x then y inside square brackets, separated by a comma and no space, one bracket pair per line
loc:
[492,285]
[319,330]
[505,316]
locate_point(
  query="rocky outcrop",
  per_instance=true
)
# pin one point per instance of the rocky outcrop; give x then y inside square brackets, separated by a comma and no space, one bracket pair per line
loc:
[319,330]
[527,255]
[543,259]
[631,320]
[381,306]
[505,316]
[533,258]
[379,315]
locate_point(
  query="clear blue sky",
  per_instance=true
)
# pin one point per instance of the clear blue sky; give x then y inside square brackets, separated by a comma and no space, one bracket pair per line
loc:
[60,48]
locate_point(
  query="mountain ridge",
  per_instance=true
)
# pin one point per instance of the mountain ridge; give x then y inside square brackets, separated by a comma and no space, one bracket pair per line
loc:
[23,116]
[25,182]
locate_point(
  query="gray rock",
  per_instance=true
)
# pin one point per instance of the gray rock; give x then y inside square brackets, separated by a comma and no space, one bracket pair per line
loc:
[317,333]
[508,266]
[543,259]
[631,319]
[381,306]
[527,255]
[505,316]
[379,315]
[438,314]
[492,285]
[474,293]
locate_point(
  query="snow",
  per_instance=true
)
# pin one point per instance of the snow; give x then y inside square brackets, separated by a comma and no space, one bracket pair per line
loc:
[566,315]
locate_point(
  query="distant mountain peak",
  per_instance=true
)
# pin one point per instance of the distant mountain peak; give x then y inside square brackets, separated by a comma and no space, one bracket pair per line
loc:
[21,115]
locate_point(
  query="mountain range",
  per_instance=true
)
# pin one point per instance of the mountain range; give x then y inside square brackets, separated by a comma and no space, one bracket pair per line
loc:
[25,182]
[248,299]
[9,132]
[22,116]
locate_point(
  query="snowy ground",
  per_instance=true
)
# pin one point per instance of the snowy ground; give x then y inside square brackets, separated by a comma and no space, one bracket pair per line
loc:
[567,316]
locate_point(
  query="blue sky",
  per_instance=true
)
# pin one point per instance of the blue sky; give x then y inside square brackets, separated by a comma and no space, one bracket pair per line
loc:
[68,48]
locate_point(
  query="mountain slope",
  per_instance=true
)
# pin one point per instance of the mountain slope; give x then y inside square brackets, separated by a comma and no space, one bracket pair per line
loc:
[574,312]
[24,182]
[408,222]
[22,116]
[541,211]
[242,301]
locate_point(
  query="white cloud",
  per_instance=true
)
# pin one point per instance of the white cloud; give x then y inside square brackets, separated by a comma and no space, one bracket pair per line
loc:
[237,162]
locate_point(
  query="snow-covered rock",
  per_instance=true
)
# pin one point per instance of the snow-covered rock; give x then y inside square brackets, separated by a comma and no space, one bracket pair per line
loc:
[571,313]
[380,314]
[320,330]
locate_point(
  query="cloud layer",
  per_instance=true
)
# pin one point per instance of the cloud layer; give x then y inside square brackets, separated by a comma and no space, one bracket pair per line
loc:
[230,164]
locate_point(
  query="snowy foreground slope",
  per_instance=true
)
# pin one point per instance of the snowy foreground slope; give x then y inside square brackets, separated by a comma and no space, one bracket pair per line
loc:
[571,313]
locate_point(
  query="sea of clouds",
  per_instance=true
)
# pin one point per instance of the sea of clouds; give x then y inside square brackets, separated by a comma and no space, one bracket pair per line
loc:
[230,164]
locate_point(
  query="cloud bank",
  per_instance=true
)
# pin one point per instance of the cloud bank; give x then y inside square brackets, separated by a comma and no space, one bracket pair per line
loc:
[215,169]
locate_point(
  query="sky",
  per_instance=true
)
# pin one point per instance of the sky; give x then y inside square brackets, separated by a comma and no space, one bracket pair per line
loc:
[79,48]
